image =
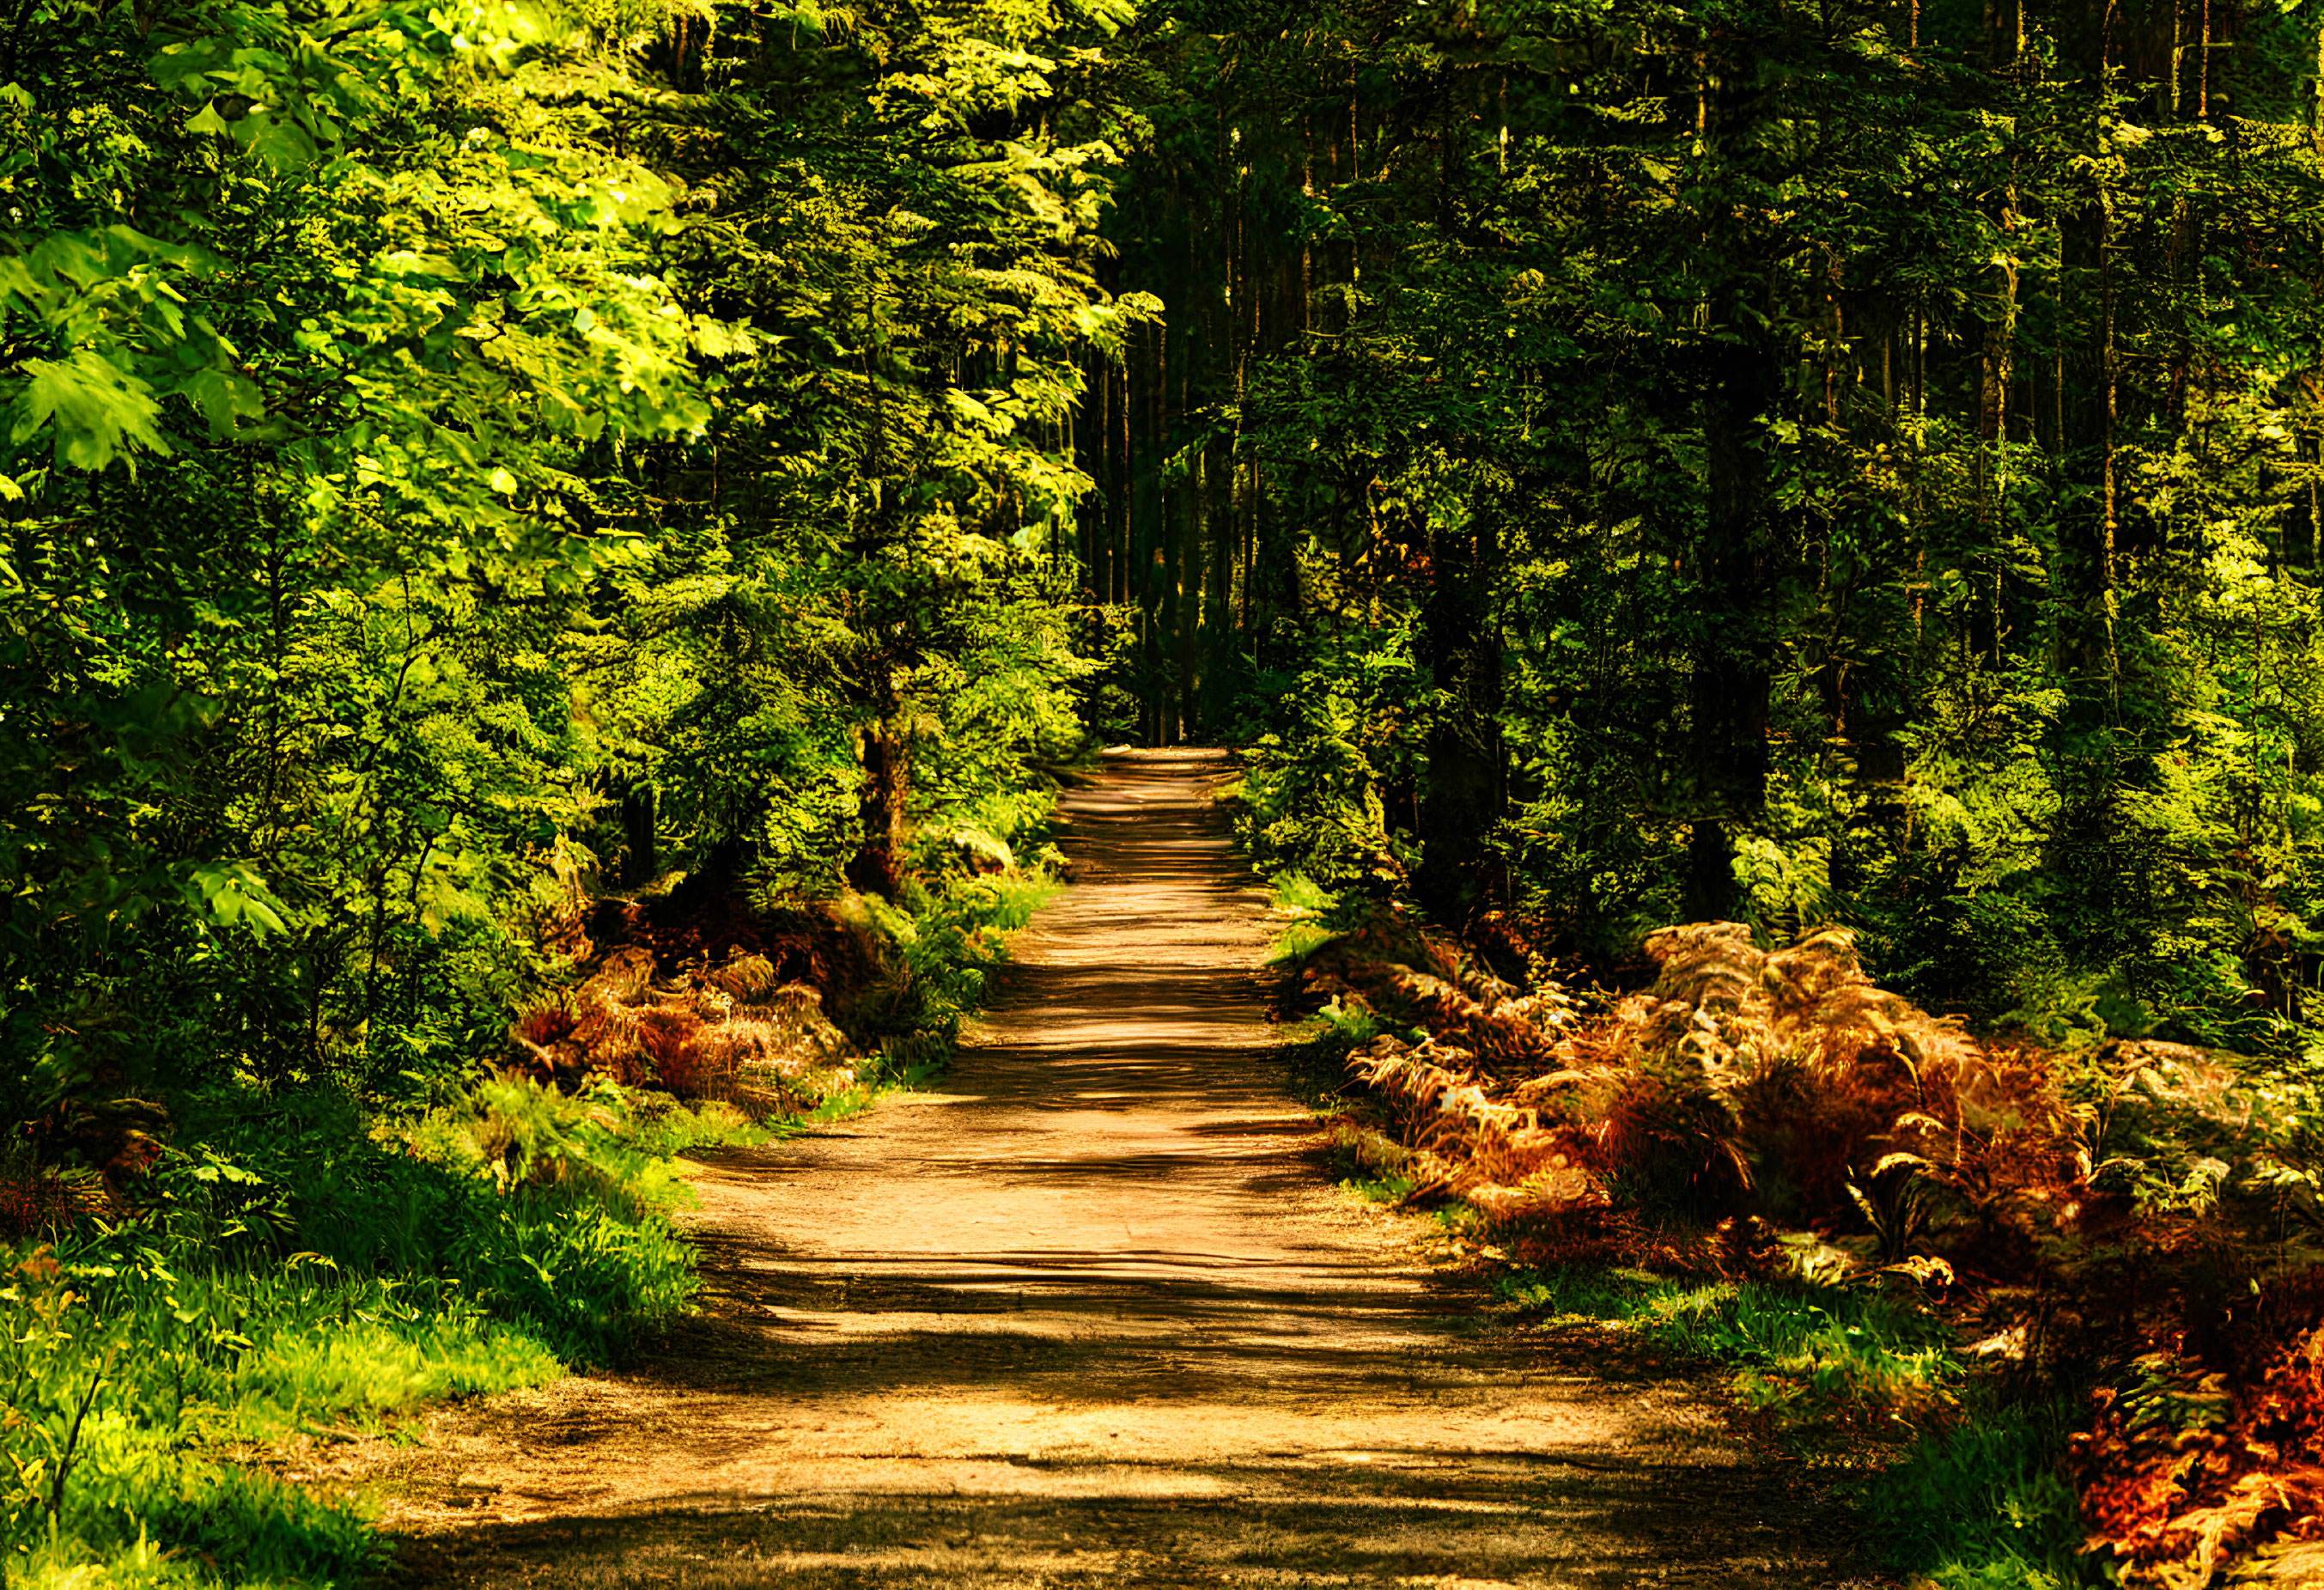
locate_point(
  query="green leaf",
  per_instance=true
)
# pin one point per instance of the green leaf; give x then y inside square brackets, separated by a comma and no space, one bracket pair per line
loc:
[225,398]
[233,892]
[98,410]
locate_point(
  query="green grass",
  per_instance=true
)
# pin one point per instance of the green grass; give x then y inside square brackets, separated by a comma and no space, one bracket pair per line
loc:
[1807,1357]
[666,1128]
[318,1282]
[1983,1505]
[201,1525]
[946,938]
[1315,1053]
[901,1066]
[1368,1161]
[1974,1500]
[133,1367]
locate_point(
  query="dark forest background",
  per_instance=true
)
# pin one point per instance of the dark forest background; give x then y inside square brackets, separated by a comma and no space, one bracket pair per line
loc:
[1796,464]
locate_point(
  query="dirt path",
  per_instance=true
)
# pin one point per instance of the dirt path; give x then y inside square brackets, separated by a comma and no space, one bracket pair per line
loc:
[1089,1316]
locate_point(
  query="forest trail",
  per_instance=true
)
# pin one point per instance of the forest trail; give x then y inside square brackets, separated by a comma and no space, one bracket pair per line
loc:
[1091,1315]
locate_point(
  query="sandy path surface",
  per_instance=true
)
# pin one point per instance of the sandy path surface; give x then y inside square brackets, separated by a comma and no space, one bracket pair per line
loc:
[1090,1314]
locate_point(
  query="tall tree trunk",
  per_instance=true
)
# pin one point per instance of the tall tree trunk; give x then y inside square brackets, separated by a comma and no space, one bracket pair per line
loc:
[878,866]
[1107,507]
[2109,403]
[1732,669]
[1190,600]
[1466,789]
[1147,507]
[1745,373]
[1169,625]
[2006,41]
[1125,479]
[1220,673]
[640,857]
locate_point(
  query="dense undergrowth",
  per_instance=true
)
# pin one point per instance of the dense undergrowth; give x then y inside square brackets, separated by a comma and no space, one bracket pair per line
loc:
[2060,1309]
[260,1262]
[310,1279]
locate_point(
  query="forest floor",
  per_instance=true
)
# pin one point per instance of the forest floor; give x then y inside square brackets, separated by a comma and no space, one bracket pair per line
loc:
[1095,1314]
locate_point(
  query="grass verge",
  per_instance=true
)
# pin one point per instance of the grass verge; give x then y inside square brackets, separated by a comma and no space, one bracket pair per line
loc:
[1958,1481]
[1811,1365]
[140,1356]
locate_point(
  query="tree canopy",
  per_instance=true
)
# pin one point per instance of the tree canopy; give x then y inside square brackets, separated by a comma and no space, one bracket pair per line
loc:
[460,460]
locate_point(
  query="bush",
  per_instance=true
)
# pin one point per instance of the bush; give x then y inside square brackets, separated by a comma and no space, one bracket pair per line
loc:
[1339,747]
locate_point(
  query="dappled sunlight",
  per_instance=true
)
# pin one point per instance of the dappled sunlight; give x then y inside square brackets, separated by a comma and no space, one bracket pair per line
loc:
[1373,1515]
[1089,1312]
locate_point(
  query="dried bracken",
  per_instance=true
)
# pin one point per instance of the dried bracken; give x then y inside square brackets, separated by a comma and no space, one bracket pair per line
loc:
[2201,1457]
[2086,1202]
[694,990]
[733,1031]
[38,1199]
[1743,1080]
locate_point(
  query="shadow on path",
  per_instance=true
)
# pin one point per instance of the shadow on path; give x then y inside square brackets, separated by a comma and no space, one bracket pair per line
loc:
[1089,1316]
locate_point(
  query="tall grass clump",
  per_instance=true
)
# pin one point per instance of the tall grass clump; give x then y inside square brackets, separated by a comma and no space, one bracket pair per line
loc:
[1984,1503]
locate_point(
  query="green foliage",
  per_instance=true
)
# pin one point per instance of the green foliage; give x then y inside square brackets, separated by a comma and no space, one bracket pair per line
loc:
[1314,800]
[538,1205]
[1317,918]
[1814,471]
[134,1354]
[432,506]
[941,947]
[1984,1503]
[484,489]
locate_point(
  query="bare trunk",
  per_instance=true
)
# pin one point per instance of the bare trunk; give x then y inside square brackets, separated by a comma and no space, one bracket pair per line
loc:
[1465,792]
[641,858]
[878,866]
